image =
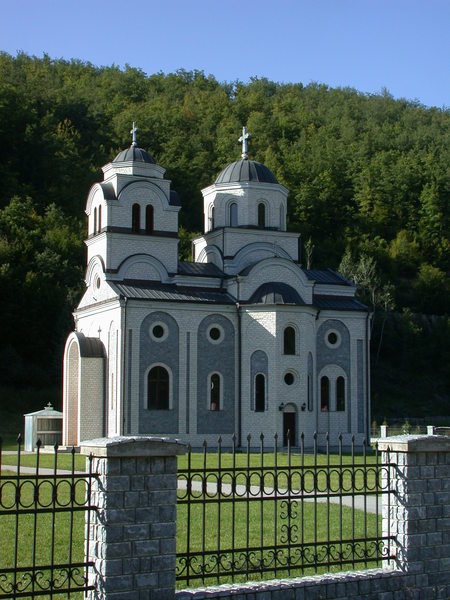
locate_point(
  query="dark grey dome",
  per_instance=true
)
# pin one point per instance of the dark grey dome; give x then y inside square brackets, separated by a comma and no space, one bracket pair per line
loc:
[135,154]
[246,170]
[276,293]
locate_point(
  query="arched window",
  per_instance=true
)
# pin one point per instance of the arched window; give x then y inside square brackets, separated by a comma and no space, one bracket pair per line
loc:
[211,217]
[289,341]
[158,389]
[261,215]
[95,220]
[260,392]
[233,215]
[309,391]
[340,394]
[99,227]
[282,219]
[136,217]
[324,394]
[149,219]
[214,392]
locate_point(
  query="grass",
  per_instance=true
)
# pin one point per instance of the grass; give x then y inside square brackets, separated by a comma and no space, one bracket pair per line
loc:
[267,527]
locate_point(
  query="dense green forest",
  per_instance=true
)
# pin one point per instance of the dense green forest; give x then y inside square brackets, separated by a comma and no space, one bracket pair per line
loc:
[369,189]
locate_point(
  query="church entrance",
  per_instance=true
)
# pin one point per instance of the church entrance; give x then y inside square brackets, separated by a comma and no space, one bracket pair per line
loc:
[289,425]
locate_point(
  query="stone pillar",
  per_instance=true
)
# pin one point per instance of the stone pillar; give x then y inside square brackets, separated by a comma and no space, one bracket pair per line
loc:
[132,536]
[418,513]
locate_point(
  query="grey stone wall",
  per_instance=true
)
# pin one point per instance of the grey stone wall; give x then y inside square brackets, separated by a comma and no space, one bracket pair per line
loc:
[164,352]
[216,358]
[132,535]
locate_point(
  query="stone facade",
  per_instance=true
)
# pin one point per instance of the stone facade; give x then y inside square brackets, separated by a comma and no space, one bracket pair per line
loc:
[245,287]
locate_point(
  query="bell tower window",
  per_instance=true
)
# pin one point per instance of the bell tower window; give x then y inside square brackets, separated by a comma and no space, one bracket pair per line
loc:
[95,221]
[233,215]
[261,215]
[136,217]
[99,226]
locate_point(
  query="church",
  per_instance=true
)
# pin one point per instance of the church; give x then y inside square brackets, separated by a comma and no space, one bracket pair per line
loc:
[242,340]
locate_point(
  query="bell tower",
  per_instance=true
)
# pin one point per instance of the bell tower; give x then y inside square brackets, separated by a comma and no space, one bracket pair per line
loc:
[133,218]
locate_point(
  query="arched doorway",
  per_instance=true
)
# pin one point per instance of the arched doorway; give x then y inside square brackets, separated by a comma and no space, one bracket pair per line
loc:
[289,425]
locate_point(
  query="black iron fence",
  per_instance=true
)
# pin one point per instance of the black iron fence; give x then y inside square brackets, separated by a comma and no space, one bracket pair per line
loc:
[44,511]
[254,515]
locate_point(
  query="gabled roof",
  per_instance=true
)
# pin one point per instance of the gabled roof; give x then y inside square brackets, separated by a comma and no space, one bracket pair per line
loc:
[328,276]
[140,290]
[338,303]
[199,269]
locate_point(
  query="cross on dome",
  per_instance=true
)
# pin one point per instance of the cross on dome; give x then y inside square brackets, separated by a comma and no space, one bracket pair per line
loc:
[133,133]
[244,137]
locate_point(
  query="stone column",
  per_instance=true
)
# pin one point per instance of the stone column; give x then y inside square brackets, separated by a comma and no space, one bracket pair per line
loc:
[133,534]
[418,512]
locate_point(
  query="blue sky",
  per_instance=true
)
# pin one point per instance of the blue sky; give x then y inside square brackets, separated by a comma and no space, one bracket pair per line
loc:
[401,45]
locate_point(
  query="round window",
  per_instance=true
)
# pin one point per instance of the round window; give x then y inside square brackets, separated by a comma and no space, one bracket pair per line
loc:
[333,339]
[289,378]
[215,334]
[158,332]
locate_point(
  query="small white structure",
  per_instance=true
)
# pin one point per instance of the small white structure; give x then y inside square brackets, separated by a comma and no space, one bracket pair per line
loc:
[44,425]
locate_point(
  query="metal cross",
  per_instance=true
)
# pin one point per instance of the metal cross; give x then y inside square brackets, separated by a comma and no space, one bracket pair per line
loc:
[133,132]
[244,137]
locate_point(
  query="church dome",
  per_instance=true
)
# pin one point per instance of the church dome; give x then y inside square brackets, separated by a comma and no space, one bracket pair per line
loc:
[135,154]
[246,170]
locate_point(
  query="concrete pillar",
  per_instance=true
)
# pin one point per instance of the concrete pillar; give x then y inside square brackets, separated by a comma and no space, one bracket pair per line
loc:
[383,431]
[418,512]
[132,536]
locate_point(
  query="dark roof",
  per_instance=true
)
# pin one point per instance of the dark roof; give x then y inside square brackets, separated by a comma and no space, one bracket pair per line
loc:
[246,170]
[338,303]
[108,190]
[135,154]
[330,277]
[276,293]
[90,347]
[160,291]
[174,199]
[199,269]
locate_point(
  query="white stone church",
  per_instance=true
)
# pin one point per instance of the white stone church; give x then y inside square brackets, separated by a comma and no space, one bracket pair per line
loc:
[243,340]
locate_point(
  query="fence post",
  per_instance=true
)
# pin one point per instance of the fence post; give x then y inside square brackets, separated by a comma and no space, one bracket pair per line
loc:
[417,512]
[132,536]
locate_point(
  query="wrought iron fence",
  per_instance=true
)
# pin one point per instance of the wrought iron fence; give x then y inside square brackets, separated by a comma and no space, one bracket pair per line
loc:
[44,512]
[244,516]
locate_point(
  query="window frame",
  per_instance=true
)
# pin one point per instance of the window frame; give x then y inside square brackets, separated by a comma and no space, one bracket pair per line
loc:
[257,400]
[262,214]
[233,214]
[147,385]
[136,217]
[209,399]
[287,344]
[325,399]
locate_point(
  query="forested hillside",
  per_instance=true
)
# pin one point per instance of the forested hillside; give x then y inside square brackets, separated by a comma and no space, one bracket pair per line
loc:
[369,189]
